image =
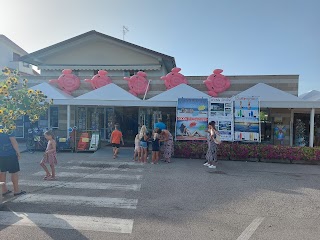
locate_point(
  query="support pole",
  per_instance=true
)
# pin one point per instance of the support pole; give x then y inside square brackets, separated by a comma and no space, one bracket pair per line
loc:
[68,120]
[311,137]
[291,126]
[144,97]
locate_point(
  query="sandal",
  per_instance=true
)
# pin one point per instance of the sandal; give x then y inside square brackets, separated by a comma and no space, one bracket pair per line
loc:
[20,193]
[6,193]
[51,178]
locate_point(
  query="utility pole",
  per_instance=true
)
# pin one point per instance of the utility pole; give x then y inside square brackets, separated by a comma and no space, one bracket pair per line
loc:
[124,31]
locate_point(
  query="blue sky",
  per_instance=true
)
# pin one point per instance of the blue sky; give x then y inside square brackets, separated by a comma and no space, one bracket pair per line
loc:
[244,37]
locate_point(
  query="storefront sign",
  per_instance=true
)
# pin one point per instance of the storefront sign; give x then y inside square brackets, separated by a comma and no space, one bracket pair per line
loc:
[246,119]
[192,119]
[221,111]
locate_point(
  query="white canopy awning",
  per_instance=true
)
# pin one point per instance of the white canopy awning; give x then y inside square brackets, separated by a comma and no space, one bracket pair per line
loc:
[275,98]
[170,97]
[53,93]
[108,95]
[313,95]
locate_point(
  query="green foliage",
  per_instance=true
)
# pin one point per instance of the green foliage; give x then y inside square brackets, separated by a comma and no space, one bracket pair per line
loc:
[16,102]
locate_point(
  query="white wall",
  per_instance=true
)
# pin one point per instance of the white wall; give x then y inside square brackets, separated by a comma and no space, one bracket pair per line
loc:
[6,59]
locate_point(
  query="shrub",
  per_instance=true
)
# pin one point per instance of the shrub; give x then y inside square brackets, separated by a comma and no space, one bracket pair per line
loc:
[245,151]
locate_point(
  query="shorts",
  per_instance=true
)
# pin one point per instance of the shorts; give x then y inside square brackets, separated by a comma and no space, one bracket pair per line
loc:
[143,144]
[9,164]
[155,147]
[116,145]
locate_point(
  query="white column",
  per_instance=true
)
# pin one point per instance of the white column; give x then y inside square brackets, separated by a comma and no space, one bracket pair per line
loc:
[68,120]
[311,137]
[291,126]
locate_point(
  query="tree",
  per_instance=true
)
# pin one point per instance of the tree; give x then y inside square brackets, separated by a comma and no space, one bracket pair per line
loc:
[17,100]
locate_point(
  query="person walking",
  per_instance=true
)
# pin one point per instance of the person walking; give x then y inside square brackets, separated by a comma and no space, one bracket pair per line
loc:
[116,137]
[9,162]
[212,140]
[49,157]
[143,144]
[136,154]
[168,148]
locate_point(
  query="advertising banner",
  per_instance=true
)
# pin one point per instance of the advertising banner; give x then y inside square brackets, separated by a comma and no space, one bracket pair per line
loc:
[221,111]
[192,119]
[247,119]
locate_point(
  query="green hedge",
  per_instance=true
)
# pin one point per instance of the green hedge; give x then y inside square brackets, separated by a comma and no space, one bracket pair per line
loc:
[245,151]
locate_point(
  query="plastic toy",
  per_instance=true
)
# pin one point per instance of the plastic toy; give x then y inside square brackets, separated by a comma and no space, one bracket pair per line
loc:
[174,78]
[216,83]
[67,82]
[138,84]
[99,80]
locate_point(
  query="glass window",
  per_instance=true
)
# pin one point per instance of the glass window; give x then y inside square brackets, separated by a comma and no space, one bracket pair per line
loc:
[82,118]
[54,117]
[27,65]
[129,73]
[265,124]
[43,121]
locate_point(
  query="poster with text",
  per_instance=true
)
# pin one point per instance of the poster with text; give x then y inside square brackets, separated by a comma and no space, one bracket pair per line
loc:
[246,119]
[221,111]
[192,119]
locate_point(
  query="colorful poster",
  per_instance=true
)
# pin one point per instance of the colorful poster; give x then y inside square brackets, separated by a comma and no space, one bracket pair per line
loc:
[192,119]
[221,111]
[246,119]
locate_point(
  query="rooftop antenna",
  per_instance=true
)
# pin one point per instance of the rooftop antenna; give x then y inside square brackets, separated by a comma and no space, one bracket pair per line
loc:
[124,31]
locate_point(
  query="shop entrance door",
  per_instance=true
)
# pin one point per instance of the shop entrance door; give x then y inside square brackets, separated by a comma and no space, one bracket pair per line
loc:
[127,117]
[148,117]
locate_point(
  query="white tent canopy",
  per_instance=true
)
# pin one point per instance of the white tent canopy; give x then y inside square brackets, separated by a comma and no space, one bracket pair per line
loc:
[313,95]
[108,95]
[274,98]
[170,97]
[52,92]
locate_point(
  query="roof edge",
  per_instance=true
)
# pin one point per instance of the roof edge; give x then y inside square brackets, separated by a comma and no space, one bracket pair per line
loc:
[30,55]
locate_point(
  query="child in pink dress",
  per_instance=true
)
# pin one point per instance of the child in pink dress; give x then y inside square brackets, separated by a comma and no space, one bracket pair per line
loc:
[49,157]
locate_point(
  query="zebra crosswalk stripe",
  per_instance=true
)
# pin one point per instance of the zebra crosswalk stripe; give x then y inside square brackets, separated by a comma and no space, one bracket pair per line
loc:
[103,169]
[81,185]
[95,175]
[94,162]
[101,224]
[78,200]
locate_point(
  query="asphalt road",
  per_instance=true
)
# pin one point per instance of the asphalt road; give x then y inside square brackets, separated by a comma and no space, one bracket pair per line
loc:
[97,197]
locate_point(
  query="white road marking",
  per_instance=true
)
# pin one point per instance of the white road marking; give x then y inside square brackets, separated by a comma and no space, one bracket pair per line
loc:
[93,162]
[81,185]
[115,225]
[247,233]
[95,175]
[103,169]
[78,200]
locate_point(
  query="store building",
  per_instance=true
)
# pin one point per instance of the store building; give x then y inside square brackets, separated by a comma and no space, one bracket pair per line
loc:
[99,109]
